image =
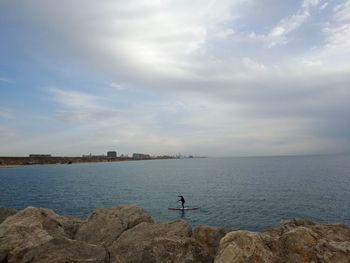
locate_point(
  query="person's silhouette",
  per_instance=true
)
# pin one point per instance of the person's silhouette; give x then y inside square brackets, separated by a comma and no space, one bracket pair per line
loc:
[182,199]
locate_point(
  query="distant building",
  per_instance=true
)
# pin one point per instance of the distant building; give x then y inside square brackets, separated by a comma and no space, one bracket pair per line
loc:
[112,154]
[39,155]
[90,156]
[140,156]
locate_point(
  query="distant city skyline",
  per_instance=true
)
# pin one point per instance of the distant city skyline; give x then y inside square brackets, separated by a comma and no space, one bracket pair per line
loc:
[206,78]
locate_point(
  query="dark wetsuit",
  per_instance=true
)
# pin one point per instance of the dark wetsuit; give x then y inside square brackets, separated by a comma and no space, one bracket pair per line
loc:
[182,199]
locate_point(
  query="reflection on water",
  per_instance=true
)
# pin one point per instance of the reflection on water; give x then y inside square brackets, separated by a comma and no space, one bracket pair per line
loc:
[182,214]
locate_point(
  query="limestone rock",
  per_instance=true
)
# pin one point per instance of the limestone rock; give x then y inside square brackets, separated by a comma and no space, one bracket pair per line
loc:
[66,250]
[6,212]
[167,242]
[106,224]
[293,241]
[70,225]
[243,246]
[307,241]
[209,237]
[128,234]
[27,229]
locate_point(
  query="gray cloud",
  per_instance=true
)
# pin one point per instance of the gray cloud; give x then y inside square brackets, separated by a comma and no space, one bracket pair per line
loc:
[232,95]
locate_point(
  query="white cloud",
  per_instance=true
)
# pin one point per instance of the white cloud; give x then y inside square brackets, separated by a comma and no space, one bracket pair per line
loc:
[7,114]
[315,63]
[334,54]
[252,65]
[77,106]
[279,33]
[7,80]
[338,30]
[119,86]
[210,88]
[147,37]
[225,33]
[324,5]
[342,12]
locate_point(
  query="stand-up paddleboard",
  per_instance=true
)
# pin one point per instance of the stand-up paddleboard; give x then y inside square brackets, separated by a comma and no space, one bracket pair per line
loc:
[183,209]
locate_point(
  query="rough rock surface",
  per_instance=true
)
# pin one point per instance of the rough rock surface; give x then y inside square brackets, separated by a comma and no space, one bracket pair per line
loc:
[243,246]
[106,224]
[209,237]
[129,234]
[167,242]
[27,229]
[70,225]
[294,241]
[6,212]
[33,232]
[66,250]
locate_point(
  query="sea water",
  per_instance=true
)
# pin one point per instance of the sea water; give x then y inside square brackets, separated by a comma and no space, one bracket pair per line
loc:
[252,193]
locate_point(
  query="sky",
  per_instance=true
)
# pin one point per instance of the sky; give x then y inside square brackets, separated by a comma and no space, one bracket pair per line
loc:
[202,77]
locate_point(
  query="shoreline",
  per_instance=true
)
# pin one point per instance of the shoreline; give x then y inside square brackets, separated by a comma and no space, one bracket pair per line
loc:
[10,166]
[10,162]
[42,164]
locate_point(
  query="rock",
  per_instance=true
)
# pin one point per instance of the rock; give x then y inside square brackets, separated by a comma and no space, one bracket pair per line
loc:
[28,230]
[167,242]
[6,212]
[300,243]
[107,224]
[304,240]
[293,241]
[66,250]
[243,246]
[128,234]
[70,225]
[209,237]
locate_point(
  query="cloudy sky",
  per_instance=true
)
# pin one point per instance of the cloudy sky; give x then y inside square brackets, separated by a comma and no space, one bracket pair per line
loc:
[206,77]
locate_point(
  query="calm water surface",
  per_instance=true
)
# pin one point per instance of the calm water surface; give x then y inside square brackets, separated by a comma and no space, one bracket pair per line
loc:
[248,193]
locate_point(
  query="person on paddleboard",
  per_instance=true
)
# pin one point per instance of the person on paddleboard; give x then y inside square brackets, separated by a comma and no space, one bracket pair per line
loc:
[182,199]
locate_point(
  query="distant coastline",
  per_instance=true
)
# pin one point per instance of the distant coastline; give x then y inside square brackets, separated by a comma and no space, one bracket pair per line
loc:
[9,162]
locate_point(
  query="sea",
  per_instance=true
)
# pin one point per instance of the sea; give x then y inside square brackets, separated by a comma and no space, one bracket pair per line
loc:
[251,193]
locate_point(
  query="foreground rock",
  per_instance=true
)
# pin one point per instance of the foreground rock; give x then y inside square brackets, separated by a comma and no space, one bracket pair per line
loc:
[70,225]
[167,242]
[294,241]
[210,237]
[40,235]
[107,224]
[66,250]
[129,234]
[6,212]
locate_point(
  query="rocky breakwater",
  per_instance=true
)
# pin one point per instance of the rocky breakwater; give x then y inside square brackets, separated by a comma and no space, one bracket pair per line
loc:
[129,234]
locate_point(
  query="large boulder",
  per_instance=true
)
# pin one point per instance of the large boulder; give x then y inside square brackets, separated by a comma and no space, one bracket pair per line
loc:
[106,224]
[210,237]
[30,229]
[70,225]
[6,212]
[167,242]
[294,241]
[66,250]
[307,241]
[243,246]
[27,229]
